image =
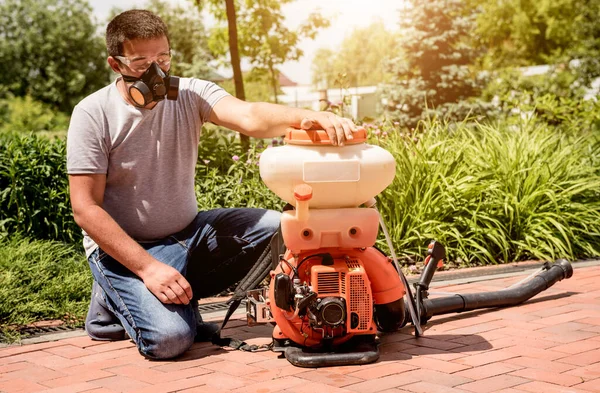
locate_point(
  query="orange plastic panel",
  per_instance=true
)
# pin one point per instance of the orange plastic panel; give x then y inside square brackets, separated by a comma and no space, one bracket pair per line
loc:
[344,228]
[385,281]
[295,136]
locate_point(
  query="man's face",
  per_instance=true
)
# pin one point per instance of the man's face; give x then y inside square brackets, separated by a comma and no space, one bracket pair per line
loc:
[138,55]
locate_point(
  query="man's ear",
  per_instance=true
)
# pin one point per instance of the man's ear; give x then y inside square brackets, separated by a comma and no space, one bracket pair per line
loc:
[114,64]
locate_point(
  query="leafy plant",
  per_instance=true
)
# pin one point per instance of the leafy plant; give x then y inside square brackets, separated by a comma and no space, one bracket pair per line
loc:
[555,98]
[34,197]
[494,193]
[228,177]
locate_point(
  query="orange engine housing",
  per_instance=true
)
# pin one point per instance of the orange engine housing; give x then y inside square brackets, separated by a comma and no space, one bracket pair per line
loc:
[358,278]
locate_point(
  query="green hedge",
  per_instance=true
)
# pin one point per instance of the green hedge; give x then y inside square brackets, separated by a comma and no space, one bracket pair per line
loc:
[516,190]
[34,197]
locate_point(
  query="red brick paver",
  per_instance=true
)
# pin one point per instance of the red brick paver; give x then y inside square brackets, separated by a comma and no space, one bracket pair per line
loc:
[548,344]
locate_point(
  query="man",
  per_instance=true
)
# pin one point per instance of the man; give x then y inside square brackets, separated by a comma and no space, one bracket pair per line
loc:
[131,157]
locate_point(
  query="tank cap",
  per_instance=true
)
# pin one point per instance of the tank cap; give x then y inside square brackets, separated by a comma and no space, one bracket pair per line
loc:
[303,192]
[295,136]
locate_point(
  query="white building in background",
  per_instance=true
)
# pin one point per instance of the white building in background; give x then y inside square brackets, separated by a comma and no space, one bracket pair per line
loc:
[363,100]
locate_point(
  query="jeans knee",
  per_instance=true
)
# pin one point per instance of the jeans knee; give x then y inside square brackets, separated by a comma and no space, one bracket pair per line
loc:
[168,341]
[270,221]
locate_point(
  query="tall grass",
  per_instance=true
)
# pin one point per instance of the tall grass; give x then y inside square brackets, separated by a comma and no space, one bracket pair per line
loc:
[494,193]
[42,279]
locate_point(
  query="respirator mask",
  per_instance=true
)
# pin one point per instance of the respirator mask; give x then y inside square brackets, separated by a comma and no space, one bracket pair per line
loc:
[153,86]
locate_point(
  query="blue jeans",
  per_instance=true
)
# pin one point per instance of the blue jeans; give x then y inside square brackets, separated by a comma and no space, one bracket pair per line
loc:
[214,252]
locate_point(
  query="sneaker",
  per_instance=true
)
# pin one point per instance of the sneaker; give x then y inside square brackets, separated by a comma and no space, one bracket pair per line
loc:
[101,324]
[204,330]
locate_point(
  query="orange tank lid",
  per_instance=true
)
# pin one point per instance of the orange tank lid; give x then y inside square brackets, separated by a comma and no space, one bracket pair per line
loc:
[295,136]
[303,192]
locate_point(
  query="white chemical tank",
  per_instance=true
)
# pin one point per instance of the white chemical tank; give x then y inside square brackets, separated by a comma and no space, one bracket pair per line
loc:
[340,176]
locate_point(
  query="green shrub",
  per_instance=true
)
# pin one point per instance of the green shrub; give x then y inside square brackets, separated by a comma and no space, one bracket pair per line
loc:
[228,177]
[41,280]
[34,194]
[24,115]
[34,198]
[566,114]
[558,81]
[494,193]
[556,98]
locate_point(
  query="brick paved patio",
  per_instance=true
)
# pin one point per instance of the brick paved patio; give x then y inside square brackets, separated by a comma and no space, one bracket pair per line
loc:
[549,344]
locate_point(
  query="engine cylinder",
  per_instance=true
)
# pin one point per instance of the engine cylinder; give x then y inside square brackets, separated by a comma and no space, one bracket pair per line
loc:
[331,311]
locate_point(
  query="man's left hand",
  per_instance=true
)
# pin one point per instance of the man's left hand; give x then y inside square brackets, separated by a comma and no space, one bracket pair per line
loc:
[338,128]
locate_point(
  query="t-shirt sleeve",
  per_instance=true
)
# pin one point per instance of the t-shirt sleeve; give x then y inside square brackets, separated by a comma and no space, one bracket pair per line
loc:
[209,94]
[87,152]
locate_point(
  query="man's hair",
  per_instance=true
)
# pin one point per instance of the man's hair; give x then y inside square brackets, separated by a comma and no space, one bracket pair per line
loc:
[131,25]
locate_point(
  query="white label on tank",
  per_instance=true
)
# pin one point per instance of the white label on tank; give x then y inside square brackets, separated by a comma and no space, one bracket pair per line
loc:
[331,171]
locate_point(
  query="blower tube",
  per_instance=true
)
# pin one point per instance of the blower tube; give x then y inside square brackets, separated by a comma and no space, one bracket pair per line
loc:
[514,295]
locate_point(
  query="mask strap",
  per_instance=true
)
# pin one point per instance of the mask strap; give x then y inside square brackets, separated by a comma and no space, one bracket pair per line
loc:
[128,78]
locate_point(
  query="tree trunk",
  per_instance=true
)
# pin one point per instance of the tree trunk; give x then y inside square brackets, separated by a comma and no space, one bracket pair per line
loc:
[273,82]
[238,79]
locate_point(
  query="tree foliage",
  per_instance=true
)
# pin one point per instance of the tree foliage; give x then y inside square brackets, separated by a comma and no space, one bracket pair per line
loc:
[24,115]
[256,85]
[263,36]
[527,32]
[191,56]
[435,63]
[362,64]
[587,49]
[50,50]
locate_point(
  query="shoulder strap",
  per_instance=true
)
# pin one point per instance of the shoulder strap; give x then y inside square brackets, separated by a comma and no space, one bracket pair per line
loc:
[261,269]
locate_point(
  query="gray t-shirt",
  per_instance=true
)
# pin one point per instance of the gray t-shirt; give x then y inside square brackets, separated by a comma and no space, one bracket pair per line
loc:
[148,155]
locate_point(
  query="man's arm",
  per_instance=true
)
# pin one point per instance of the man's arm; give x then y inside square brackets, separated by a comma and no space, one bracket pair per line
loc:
[87,195]
[264,120]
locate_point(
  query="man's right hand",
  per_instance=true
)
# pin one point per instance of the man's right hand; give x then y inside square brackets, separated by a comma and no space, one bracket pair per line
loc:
[167,284]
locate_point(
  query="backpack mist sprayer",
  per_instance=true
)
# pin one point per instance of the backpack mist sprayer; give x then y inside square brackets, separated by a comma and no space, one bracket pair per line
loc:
[332,290]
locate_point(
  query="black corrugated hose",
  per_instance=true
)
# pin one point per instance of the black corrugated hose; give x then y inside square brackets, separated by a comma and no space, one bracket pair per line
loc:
[559,270]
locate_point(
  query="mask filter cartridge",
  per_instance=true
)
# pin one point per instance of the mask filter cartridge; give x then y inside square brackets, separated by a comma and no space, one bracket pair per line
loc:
[153,86]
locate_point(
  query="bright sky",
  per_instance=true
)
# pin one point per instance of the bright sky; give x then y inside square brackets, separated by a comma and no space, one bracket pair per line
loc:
[346,15]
